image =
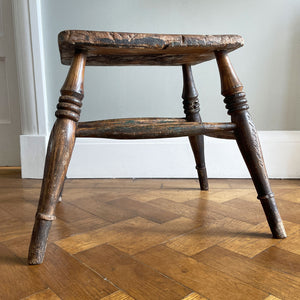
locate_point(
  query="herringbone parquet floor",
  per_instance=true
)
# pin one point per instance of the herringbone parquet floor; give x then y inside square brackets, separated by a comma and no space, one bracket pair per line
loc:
[150,239]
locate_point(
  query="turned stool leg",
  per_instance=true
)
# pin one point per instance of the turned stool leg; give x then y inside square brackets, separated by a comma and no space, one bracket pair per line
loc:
[248,142]
[59,153]
[191,110]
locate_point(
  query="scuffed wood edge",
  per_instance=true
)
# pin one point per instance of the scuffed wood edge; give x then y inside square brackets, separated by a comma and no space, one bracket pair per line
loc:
[146,40]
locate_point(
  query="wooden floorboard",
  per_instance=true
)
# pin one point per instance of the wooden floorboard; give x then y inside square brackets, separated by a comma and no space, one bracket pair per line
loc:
[124,239]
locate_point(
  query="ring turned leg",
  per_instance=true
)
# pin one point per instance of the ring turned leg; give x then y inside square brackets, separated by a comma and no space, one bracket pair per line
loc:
[59,153]
[248,142]
[191,110]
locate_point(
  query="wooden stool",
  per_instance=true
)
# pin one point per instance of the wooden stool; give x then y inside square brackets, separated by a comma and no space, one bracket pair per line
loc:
[80,48]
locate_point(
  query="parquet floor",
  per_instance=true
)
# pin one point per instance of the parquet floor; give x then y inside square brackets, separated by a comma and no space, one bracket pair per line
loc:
[150,239]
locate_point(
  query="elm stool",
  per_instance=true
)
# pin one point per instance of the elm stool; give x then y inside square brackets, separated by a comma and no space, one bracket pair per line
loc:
[79,48]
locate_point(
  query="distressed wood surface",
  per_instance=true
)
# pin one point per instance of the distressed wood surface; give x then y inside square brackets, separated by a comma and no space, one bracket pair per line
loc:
[122,48]
[149,128]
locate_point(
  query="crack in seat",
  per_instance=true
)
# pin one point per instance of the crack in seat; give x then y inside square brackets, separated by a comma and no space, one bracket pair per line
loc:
[123,48]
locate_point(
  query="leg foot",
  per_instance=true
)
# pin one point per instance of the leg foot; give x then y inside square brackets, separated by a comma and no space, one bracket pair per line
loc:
[273,217]
[197,144]
[61,192]
[202,176]
[38,241]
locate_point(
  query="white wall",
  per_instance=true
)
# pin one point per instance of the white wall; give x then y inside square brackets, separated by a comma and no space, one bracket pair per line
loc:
[268,64]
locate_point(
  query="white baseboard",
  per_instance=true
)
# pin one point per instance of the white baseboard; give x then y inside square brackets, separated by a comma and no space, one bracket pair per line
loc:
[166,158]
[33,152]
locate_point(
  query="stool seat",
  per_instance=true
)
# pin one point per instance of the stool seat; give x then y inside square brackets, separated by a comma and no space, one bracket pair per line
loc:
[121,48]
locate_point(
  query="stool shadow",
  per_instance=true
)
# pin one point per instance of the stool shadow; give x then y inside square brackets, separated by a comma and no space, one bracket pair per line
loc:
[12,260]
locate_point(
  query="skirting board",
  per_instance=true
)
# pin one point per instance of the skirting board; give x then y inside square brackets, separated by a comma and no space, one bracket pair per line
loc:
[165,158]
[33,152]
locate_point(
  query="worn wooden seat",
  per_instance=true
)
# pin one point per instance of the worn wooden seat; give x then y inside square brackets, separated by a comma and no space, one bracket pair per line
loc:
[122,48]
[80,48]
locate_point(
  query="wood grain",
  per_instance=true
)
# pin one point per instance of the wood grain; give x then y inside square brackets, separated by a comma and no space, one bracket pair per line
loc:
[201,278]
[17,281]
[253,266]
[278,284]
[43,295]
[234,208]
[130,236]
[291,245]
[255,239]
[74,280]
[118,295]
[116,232]
[155,214]
[185,210]
[271,297]
[222,195]
[207,236]
[194,296]
[137,279]
[123,48]
[151,128]
[157,234]
[279,260]
[11,227]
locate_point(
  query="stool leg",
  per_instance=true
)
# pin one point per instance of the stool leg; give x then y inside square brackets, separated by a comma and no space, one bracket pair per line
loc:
[59,153]
[61,192]
[191,110]
[248,142]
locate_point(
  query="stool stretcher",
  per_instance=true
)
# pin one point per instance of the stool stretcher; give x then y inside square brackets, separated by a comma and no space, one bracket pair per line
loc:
[149,128]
